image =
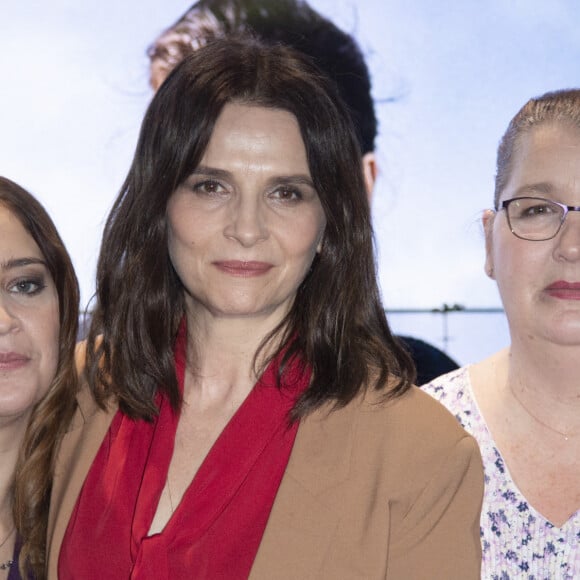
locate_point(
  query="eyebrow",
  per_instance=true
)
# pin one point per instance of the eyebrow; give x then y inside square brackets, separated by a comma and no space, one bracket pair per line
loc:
[211,172]
[299,178]
[291,179]
[20,262]
[543,188]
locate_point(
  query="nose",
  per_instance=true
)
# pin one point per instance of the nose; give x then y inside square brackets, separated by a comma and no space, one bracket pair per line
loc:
[8,322]
[568,246]
[247,222]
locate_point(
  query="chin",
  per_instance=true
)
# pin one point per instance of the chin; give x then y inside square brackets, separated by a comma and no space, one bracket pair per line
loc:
[16,411]
[559,329]
[564,332]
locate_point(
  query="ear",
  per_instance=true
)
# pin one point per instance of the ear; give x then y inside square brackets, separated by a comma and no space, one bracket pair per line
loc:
[487,220]
[158,72]
[370,172]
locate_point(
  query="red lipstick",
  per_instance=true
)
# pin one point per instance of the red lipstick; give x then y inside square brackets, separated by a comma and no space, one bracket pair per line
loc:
[242,269]
[10,361]
[564,290]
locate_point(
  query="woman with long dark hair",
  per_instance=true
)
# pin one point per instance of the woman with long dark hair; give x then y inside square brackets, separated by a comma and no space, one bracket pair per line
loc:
[247,410]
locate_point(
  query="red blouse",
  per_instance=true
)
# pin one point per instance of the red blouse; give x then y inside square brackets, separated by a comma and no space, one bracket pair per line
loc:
[217,528]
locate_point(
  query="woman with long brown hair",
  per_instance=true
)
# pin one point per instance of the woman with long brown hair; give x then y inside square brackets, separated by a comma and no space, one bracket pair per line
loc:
[247,410]
[38,324]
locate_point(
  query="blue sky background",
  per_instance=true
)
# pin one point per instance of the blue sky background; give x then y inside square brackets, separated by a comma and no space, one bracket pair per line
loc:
[75,86]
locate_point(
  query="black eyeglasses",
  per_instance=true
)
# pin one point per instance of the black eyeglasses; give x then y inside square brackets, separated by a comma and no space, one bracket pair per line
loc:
[535,218]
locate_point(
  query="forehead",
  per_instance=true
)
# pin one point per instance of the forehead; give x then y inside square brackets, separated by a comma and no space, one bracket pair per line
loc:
[253,131]
[549,135]
[548,154]
[256,118]
[15,241]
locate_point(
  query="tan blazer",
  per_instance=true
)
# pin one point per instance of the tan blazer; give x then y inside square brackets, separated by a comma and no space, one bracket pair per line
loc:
[371,491]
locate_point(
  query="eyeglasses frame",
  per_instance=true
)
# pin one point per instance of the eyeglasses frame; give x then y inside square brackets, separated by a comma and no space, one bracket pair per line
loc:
[565,208]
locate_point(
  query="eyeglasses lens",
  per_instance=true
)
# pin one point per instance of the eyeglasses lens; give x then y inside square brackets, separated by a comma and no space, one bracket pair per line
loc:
[531,218]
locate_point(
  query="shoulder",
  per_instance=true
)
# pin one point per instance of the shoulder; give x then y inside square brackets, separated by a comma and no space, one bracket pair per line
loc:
[413,457]
[431,470]
[80,354]
[415,430]
[75,455]
[415,413]
[459,390]
[88,403]
[423,457]
[452,389]
[87,407]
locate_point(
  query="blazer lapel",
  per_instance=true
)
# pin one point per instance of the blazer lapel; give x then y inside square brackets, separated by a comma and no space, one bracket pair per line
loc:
[304,516]
[77,450]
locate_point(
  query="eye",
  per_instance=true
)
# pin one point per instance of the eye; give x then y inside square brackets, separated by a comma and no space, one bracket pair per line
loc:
[208,187]
[287,193]
[529,208]
[540,209]
[27,286]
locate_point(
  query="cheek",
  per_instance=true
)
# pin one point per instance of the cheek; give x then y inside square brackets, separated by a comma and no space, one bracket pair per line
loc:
[175,229]
[507,266]
[178,243]
[49,347]
[187,229]
[504,249]
[182,222]
[309,231]
[519,269]
[305,240]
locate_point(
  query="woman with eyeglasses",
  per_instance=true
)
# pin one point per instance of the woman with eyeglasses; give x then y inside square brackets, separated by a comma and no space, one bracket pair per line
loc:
[523,403]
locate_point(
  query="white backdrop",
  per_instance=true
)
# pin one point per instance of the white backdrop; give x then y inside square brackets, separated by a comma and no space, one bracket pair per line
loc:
[74,89]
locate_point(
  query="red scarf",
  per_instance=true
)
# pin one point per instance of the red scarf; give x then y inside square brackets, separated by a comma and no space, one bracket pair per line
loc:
[216,530]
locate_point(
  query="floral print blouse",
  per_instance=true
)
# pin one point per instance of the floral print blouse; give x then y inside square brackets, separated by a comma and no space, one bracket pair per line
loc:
[517,541]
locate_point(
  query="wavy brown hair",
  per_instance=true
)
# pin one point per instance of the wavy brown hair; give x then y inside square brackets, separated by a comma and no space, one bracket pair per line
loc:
[337,323]
[50,416]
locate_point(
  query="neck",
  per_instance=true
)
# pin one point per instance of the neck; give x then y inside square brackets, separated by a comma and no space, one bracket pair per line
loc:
[544,381]
[224,351]
[549,368]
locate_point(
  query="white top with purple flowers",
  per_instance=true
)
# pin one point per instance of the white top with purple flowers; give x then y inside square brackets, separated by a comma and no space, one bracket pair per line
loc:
[517,541]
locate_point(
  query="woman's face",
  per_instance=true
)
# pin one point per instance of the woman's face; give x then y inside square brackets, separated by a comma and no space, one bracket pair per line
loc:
[245,227]
[29,321]
[539,281]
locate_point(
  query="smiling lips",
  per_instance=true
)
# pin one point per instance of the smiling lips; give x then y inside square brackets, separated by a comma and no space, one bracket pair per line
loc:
[241,269]
[12,360]
[564,290]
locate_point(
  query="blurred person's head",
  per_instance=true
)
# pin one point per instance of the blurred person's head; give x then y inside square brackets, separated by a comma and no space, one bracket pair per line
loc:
[290,22]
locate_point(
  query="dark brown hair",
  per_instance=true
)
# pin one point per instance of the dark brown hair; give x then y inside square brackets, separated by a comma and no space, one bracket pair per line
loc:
[337,322]
[51,415]
[554,107]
